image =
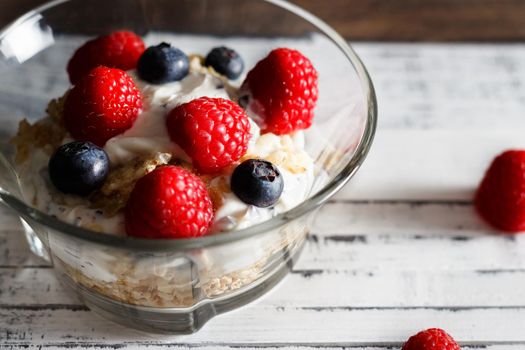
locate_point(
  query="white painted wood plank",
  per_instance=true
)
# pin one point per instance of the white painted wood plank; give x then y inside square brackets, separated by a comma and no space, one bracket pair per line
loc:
[33,286]
[401,289]
[334,288]
[408,237]
[251,346]
[14,250]
[445,220]
[9,220]
[429,164]
[390,253]
[448,86]
[261,324]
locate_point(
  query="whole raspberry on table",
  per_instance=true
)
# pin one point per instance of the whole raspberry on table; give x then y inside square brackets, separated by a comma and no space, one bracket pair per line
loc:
[214,132]
[116,50]
[431,339]
[500,198]
[103,104]
[282,89]
[169,202]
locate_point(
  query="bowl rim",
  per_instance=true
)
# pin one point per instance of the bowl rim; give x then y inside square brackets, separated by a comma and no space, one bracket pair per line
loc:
[307,206]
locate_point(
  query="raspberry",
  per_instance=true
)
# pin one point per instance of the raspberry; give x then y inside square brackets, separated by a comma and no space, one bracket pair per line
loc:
[500,198]
[169,202]
[431,339]
[103,104]
[116,50]
[214,132]
[283,90]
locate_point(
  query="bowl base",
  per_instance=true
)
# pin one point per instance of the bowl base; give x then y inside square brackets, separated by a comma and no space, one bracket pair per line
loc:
[180,320]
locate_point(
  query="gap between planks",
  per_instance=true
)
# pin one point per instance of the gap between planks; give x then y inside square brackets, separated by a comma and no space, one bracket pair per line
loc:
[253,346]
[83,308]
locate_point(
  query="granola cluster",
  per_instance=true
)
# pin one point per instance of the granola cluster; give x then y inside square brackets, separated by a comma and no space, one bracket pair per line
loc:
[217,189]
[288,156]
[114,194]
[46,134]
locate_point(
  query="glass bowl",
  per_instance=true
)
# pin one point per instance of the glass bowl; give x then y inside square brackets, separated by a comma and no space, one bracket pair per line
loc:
[176,286]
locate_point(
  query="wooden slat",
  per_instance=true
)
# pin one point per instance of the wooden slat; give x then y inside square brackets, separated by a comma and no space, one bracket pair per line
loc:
[445,20]
[402,220]
[438,20]
[248,346]
[450,87]
[336,288]
[397,169]
[270,325]
[14,251]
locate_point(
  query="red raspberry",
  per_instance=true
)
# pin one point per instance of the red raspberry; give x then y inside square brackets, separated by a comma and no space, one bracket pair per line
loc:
[431,339]
[283,89]
[500,198]
[169,202]
[116,50]
[214,132]
[103,104]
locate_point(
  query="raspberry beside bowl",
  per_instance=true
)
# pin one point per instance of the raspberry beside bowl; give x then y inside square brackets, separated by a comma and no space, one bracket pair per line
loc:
[176,286]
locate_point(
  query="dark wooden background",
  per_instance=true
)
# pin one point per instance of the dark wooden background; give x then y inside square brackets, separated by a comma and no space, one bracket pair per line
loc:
[406,20]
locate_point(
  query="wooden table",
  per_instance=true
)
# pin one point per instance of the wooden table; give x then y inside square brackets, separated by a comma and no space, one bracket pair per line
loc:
[397,251]
[443,20]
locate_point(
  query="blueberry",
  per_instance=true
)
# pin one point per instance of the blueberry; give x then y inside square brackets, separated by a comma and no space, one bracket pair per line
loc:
[78,168]
[257,182]
[225,61]
[163,64]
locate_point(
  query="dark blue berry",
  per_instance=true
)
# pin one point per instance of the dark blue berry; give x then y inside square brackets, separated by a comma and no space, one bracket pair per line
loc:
[163,64]
[225,61]
[257,182]
[78,168]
